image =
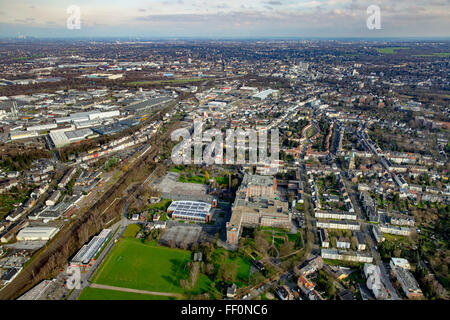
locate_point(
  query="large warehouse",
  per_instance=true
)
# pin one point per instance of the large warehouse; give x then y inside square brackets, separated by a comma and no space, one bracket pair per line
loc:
[36,233]
[87,253]
[190,210]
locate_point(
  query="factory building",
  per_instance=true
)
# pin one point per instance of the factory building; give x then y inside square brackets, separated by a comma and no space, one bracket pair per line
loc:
[142,107]
[36,233]
[63,138]
[16,135]
[265,94]
[42,127]
[85,256]
[88,116]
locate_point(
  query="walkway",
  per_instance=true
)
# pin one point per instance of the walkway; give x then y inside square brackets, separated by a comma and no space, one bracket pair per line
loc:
[155,293]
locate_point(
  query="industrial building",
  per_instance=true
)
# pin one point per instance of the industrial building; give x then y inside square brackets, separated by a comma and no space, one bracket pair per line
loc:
[36,233]
[63,138]
[142,107]
[42,127]
[16,135]
[88,116]
[86,254]
[265,94]
[9,275]
[52,212]
[115,127]
[190,211]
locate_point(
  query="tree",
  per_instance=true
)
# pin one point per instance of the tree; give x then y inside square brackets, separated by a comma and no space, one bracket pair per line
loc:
[354,243]
[286,248]
[210,270]
[299,243]
[193,274]
[227,271]
[261,243]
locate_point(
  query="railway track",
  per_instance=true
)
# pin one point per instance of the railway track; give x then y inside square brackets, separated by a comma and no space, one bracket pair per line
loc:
[30,276]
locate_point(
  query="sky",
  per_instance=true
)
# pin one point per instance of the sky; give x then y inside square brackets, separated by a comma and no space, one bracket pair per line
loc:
[221,19]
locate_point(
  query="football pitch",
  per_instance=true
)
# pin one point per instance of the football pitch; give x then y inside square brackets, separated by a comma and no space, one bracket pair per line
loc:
[133,264]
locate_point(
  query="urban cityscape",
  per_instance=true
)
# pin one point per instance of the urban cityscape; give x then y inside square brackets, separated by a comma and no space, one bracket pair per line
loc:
[259,169]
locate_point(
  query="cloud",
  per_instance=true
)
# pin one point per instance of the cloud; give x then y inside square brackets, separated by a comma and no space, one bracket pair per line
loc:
[26,20]
[267,17]
[273,3]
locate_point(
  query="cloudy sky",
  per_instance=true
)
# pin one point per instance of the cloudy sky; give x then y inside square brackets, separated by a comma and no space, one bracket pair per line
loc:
[225,18]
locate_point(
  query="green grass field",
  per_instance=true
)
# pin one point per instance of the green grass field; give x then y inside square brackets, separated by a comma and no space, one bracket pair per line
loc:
[131,231]
[133,264]
[391,50]
[103,294]
[436,54]
[162,205]
[243,264]
[194,179]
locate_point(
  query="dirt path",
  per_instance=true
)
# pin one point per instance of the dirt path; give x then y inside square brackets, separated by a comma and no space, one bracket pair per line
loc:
[155,293]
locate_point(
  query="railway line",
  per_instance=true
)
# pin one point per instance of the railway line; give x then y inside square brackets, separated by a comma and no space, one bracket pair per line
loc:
[31,274]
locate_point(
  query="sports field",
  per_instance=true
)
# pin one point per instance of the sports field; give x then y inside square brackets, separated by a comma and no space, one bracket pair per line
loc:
[390,50]
[133,264]
[102,294]
[170,81]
